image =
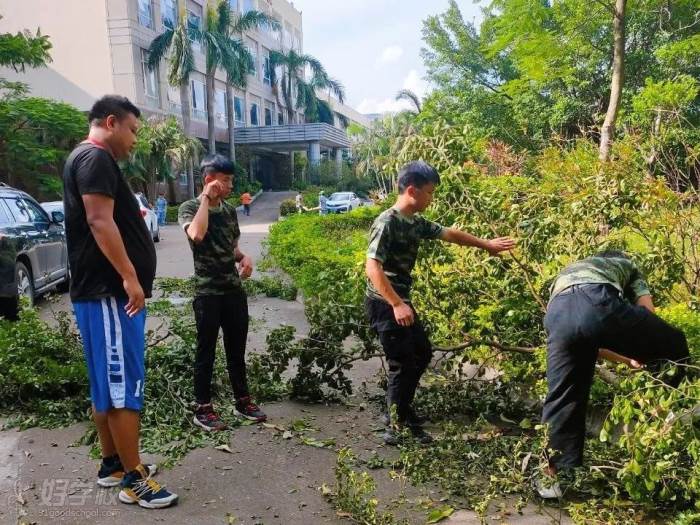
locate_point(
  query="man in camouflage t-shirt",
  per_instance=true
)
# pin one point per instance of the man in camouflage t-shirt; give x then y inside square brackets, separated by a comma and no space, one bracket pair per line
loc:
[393,246]
[599,307]
[211,225]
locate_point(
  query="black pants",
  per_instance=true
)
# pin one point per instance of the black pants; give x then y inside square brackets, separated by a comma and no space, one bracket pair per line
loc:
[230,313]
[579,321]
[408,353]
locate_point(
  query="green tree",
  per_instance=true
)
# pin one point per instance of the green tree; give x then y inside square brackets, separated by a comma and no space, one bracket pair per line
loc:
[162,147]
[175,44]
[19,51]
[36,135]
[224,48]
[298,92]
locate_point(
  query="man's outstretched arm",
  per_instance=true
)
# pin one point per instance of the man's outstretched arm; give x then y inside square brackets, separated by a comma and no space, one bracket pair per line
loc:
[462,238]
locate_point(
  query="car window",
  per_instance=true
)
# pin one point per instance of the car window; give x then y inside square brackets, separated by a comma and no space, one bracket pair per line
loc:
[19,211]
[4,214]
[36,212]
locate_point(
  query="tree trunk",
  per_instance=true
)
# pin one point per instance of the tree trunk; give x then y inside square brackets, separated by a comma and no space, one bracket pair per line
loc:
[211,130]
[185,108]
[607,132]
[230,123]
[172,194]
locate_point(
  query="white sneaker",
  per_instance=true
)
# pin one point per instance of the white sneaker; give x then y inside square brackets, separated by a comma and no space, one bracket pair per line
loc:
[548,488]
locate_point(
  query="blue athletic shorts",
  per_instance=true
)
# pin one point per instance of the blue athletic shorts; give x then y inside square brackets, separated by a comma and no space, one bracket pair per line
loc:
[113,344]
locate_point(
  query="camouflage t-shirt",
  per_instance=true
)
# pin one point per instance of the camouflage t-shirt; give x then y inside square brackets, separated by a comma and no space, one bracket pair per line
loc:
[620,272]
[215,271]
[393,241]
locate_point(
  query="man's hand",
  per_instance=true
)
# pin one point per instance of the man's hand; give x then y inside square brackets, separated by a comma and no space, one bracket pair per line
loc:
[500,244]
[245,267]
[632,363]
[213,190]
[403,314]
[137,299]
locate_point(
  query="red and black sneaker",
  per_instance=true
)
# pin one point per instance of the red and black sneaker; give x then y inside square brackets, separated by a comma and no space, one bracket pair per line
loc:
[206,418]
[249,410]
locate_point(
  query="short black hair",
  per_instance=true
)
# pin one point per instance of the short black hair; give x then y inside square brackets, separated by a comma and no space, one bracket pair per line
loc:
[216,164]
[610,254]
[112,105]
[418,174]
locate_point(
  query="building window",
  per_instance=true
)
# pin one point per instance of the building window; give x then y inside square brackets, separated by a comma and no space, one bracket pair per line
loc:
[199,103]
[253,50]
[150,80]
[297,41]
[238,111]
[248,5]
[254,114]
[145,10]
[174,99]
[233,4]
[168,13]
[267,73]
[280,119]
[220,105]
[194,21]
[268,117]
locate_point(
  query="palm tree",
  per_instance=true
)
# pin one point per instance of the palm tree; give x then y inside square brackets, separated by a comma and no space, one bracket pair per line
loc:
[407,94]
[293,66]
[176,44]
[224,48]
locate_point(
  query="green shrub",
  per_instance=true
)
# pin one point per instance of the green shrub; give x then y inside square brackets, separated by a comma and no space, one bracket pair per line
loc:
[288,207]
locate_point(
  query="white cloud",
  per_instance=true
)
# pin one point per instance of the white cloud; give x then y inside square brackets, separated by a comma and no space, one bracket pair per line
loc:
[390,54]
[388,105]
[415,83]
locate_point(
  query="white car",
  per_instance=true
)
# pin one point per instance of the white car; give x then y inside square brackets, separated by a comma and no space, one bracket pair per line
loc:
[52,206]
[149,215]
[342,201]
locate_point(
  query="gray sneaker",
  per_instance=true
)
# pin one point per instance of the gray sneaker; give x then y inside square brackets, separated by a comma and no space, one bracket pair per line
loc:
[548,487]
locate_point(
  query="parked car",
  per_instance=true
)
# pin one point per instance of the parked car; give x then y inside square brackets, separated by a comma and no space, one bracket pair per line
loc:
[52,206]
[149,215]
[342,201]
[33,254]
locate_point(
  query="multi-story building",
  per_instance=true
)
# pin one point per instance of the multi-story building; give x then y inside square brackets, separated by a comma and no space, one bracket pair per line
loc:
[100,46]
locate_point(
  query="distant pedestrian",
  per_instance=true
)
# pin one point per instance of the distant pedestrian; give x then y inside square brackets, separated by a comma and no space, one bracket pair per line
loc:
[246,199]
[298,200]
[113,264]
[322,203]
[161,208]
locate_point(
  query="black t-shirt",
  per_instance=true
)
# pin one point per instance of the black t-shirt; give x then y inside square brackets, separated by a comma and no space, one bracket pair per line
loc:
[91,169]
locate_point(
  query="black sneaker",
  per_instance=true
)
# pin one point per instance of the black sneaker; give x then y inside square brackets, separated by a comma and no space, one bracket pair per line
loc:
[413,419]
[247,409]
[137,487]
[391,437]
[207,419]
[420,435]
[112,472]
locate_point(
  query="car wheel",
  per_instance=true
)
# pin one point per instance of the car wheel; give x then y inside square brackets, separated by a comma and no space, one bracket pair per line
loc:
[25,284]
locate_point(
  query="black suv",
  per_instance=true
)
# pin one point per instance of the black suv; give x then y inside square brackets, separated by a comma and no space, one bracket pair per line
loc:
[33,254]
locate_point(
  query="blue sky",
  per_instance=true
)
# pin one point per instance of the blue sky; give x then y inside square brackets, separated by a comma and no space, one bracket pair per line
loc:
[372,46]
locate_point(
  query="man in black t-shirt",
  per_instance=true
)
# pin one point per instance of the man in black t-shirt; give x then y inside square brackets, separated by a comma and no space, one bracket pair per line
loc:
[113,264]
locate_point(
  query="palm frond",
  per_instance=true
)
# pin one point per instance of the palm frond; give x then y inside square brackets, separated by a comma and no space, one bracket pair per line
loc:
[158,48]
[407,94]
[254,19]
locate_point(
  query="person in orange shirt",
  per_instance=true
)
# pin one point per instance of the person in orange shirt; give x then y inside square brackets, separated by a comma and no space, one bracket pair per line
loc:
[246,199]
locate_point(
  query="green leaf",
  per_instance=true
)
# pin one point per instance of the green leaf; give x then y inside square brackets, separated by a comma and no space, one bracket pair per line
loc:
[437,515]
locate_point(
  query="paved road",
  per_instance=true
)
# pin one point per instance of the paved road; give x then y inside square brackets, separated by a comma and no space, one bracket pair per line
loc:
[266,479]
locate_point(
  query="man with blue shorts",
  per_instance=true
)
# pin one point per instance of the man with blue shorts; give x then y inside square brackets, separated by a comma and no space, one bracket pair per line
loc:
[113,262]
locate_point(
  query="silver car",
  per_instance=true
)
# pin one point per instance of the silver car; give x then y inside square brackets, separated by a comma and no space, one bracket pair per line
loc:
[342,201]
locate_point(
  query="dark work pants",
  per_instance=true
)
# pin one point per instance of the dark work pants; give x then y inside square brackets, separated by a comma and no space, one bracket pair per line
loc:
[408,353]
[579,321]
[230,314]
